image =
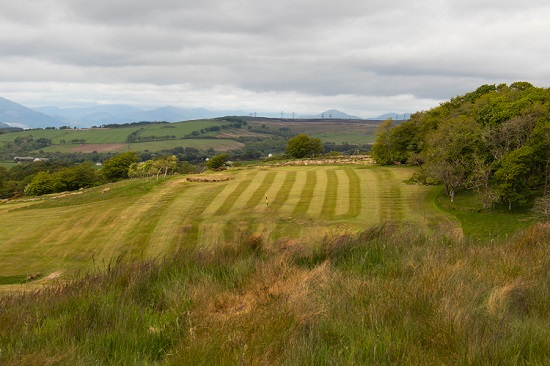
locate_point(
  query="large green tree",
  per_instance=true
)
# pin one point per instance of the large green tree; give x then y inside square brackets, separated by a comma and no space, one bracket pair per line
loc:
[449,153]
[117,167]
[495,140]
[397,143]
[302,146]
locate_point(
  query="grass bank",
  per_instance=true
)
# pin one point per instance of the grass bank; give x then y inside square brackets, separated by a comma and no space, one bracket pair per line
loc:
[387,295]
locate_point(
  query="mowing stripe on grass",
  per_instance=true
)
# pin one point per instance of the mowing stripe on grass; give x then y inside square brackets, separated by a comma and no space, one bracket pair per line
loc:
[135,224]
[259,193]
[175,220]
[306,193]
[44,239]
[370,201]
[271,184]
[273,190]
[233,197]
[229,188]
[284,190]
[343,194]
[318,196]
[391,198]
[295,194]
[355,199]
[248,194]
[331,195]
[215,204]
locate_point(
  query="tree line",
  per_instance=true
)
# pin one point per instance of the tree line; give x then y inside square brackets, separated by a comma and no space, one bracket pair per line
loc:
[494,141]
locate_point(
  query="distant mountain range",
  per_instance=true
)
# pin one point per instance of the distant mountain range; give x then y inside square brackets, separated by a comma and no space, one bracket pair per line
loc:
[335,114]
[17,115]
[116,114]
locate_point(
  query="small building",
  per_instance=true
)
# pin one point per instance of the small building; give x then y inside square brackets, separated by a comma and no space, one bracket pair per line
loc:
[29,159]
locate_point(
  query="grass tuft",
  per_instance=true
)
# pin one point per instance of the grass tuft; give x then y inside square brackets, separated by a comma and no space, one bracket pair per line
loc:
[392,294]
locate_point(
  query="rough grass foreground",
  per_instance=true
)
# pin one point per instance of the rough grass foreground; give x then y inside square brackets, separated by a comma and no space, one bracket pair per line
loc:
[389,295]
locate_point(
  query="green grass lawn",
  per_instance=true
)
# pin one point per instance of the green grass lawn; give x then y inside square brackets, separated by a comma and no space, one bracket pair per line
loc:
[305,203]
[352,138]
[7,164]
[481,224]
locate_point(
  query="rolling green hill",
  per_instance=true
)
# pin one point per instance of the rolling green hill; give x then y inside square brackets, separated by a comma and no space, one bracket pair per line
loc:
[342,265]
[114,135]
[196,134]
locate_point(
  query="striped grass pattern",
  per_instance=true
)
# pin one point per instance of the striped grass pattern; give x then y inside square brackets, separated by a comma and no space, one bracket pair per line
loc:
[302,203]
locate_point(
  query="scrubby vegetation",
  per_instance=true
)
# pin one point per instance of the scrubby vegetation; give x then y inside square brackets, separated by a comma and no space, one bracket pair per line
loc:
[388,295]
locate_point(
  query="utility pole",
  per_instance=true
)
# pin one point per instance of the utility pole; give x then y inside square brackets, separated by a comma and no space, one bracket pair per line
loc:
[282,115]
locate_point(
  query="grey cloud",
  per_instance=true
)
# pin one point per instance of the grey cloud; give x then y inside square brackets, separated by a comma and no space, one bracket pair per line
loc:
[430,49]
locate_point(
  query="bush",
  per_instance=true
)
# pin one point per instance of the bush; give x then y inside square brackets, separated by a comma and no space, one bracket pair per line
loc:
[217,162]
[301,146]
[117,167]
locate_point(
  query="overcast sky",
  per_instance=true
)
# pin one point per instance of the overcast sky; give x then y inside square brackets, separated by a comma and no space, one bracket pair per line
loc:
[363,57]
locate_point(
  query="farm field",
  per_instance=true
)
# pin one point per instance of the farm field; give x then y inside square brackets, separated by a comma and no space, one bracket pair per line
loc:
[7,164]
[337,131]
[142,219]
[201,144]
[115,135]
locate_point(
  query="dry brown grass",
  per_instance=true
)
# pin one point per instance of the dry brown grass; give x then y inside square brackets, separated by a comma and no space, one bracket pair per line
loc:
[332,160]
[209,178]
[390,295]
[510,298]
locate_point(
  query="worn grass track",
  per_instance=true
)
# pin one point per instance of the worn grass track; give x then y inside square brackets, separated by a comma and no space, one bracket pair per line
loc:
[305,203]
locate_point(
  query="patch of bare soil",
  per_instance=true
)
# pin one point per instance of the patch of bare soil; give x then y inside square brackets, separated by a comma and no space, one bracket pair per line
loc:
[53,276]
[89,148]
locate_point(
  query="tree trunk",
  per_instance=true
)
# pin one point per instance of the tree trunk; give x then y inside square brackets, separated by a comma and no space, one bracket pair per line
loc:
[546,178]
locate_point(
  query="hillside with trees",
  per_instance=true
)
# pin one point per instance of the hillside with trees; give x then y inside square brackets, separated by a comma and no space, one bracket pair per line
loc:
[494,141]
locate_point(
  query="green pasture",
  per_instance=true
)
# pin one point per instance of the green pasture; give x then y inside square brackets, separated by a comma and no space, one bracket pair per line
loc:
[350,137]
[115,135]
[352,132]
[201,144]
[140,219]
[7,164]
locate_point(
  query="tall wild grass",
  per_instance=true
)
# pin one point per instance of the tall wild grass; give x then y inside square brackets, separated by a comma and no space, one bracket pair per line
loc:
[389,295]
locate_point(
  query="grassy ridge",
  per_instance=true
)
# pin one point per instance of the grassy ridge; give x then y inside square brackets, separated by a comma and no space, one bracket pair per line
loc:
[388,295]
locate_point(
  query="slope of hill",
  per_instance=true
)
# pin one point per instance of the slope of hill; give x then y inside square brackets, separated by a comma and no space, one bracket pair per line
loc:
[184,273]
[304,204]
[21,116]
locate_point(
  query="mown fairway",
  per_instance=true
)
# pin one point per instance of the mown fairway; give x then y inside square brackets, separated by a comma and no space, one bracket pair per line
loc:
[143,219]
